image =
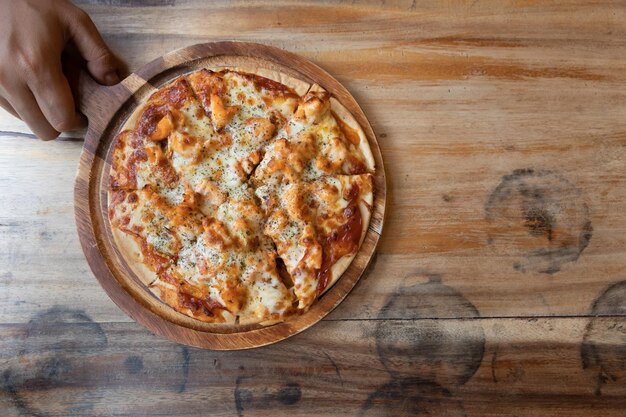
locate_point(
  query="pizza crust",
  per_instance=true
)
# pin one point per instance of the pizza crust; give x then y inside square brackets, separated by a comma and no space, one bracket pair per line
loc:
[315,88]
[344,114]
[131,252]
[299,86]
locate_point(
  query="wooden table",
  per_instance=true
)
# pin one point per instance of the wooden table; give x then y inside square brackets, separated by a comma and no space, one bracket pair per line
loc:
[499,287]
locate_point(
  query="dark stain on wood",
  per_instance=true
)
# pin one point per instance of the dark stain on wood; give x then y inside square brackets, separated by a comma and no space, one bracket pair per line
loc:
[603,350]
[424,355]
[185,368]
[494,359]
[422,295]
[538,221]
[539,217]
[285,385]
[46,357]
[506,371]
[46,326]
[337,371]
[134,364]
[63,350]
[290,393]
[250,397]
[612,301]
[411,397]
[8,386]
[242,396]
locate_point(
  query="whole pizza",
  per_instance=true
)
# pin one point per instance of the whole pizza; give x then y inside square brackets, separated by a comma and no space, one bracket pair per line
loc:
[240,195]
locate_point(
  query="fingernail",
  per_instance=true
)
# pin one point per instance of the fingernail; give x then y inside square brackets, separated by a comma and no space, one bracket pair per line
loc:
[111,78]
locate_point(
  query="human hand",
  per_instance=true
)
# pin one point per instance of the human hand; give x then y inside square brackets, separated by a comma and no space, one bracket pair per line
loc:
[33,87]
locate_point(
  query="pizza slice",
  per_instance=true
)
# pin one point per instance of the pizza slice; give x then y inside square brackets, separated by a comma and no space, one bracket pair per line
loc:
[230,270]
[246,111]
[343,209]
[152,228]
[320,139]
[161,236]
[140,155]
[226,93]
[317,227]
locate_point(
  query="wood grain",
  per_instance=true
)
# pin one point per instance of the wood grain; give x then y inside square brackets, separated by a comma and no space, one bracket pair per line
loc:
[460,94]
[482,367]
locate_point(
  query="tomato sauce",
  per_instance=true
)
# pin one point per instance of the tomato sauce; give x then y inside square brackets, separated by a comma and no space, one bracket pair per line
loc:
[150,118]
[272,86]
[355,165]
[342,242]
[135,159]
[167,171]
[206,305]
[175,95]
[157,262]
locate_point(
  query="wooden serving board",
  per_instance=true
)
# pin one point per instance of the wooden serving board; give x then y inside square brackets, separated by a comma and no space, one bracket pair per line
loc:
[107,109]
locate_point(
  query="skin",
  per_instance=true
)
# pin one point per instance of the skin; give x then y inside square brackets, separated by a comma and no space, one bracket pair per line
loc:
[33,87]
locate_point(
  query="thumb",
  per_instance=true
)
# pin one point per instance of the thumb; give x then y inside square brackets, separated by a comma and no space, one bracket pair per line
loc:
[101,62]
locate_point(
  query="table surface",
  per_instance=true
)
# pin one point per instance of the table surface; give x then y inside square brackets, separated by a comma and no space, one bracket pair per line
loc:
[499,286]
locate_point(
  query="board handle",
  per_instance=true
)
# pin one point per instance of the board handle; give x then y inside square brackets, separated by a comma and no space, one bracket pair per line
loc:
[92,98]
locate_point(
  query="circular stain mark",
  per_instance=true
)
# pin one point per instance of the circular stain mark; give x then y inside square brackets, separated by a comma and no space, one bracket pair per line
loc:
[134,364]
[539,218]
[46,360]
[445,354]
[411,397]
[63,350]
[603,351]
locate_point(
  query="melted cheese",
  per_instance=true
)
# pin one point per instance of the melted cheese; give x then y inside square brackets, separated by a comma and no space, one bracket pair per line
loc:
[224,173]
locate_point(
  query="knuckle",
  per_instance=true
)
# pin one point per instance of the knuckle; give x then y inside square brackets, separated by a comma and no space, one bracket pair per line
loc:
[81,16]
[80,19]
[3,76]
[102,56]
[29,63]
[106,57]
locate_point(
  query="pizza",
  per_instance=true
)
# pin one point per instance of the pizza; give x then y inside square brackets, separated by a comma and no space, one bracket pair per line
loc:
[240,196]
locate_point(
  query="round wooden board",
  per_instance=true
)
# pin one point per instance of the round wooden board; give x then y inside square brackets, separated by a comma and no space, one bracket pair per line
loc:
[107,109]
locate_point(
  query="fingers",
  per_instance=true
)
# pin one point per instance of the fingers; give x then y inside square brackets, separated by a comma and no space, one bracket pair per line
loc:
[101,62]
[54,97]
[6,106]
[24,104]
